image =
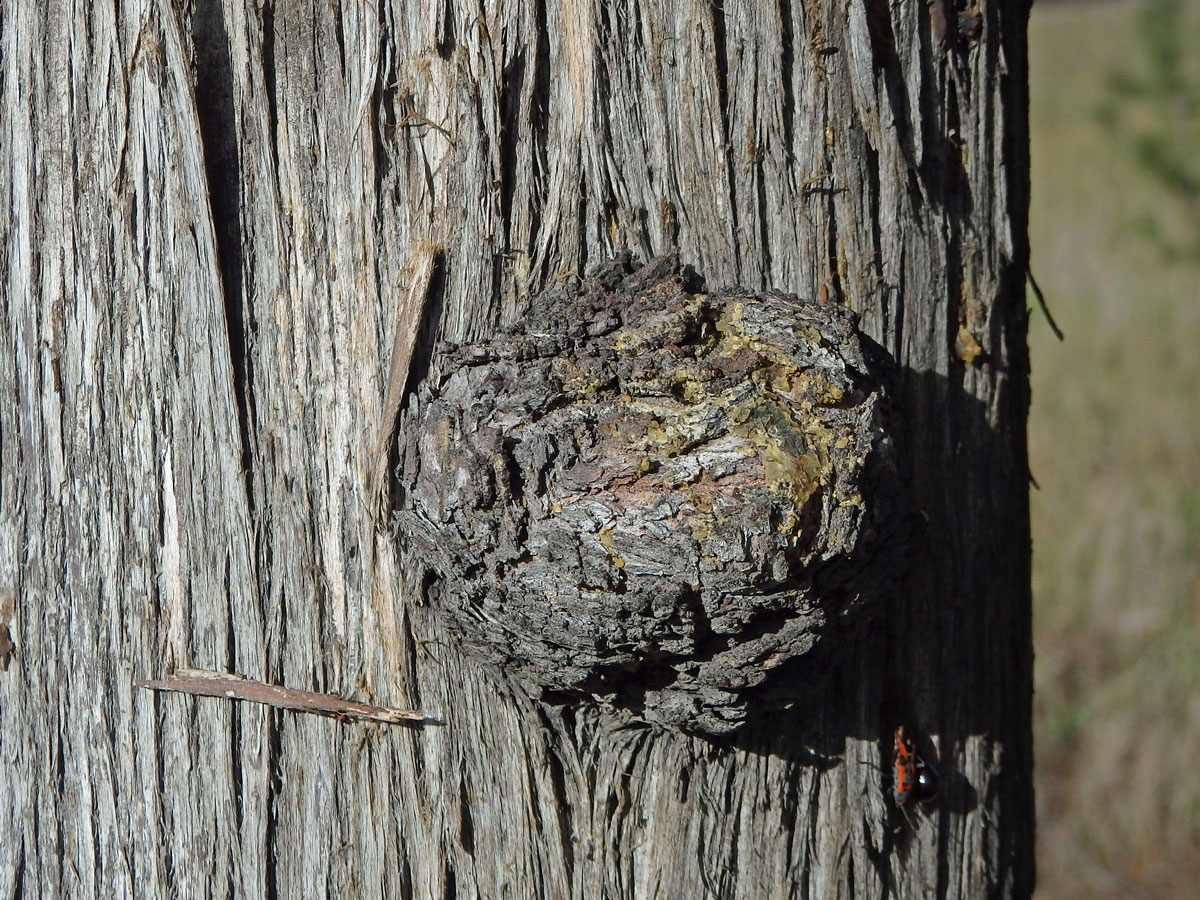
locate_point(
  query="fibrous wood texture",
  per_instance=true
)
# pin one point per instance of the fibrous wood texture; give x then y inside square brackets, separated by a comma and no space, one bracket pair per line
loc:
[215,213]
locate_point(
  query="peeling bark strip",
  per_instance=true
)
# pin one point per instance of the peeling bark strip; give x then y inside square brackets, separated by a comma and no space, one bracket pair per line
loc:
[234,687]
[652,494]
[408,329]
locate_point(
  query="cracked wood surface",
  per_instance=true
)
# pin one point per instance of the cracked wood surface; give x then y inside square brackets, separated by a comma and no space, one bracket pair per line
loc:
[213,215]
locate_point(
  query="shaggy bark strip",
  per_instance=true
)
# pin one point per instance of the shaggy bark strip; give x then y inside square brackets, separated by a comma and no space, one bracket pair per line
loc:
[409,315]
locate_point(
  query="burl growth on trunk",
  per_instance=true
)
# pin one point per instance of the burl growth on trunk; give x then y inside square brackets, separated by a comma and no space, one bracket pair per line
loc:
[651,495]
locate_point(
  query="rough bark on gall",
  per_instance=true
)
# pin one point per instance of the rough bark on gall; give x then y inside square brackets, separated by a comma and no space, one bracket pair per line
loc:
[215,211]
[651,494]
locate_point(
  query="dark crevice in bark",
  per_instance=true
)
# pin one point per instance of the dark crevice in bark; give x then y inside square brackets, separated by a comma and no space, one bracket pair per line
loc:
[222,168]
[269,85]
[406,877]
[35,829]
[18,884]
[539,134]
[231,657]
[235,720]
[787,62]
[945,179]
[382,103]
[94,807]
[881,288]
[237,779]
[133,223]
[581,221]
[1014,143]
[271,852]
[446,39]
[835,276]
[512,77]
[938,819]
[899,322]
[891,76]
[720,52]
[764,217]
[339,34]
[466,822]
[412,681]
[931,100]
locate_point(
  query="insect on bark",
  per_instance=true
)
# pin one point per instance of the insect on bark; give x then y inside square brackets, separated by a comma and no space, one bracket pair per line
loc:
[913,779]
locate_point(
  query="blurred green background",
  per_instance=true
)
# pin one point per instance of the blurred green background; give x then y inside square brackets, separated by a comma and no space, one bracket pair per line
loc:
[1115,446]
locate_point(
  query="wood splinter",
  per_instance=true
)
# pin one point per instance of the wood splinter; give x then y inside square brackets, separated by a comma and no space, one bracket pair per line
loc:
[234,687]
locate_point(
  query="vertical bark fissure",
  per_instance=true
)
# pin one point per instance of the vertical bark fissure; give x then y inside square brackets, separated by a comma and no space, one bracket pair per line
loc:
[219,139]
[760,191]
[539,141]
[236,733]
[272,847]
[378,125]
[716,9]
[787,62]
[269,80]
[833,250]
[18,884]
[339,34]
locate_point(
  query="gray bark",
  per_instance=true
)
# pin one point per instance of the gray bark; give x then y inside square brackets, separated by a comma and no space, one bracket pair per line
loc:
[215,214]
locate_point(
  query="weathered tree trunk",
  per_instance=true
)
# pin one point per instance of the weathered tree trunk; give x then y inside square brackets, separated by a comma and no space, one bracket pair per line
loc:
[215,214]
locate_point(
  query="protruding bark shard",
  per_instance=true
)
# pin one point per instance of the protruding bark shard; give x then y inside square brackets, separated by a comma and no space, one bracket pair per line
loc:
[648,493]
[234,687]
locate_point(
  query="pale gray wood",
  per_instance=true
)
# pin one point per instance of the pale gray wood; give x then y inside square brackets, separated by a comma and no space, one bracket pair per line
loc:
[215,212]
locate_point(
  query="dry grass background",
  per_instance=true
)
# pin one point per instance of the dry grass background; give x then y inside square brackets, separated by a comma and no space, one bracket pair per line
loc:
[1115,446]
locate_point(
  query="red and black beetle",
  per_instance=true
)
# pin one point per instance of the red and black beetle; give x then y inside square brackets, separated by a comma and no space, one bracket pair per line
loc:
[914,780]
